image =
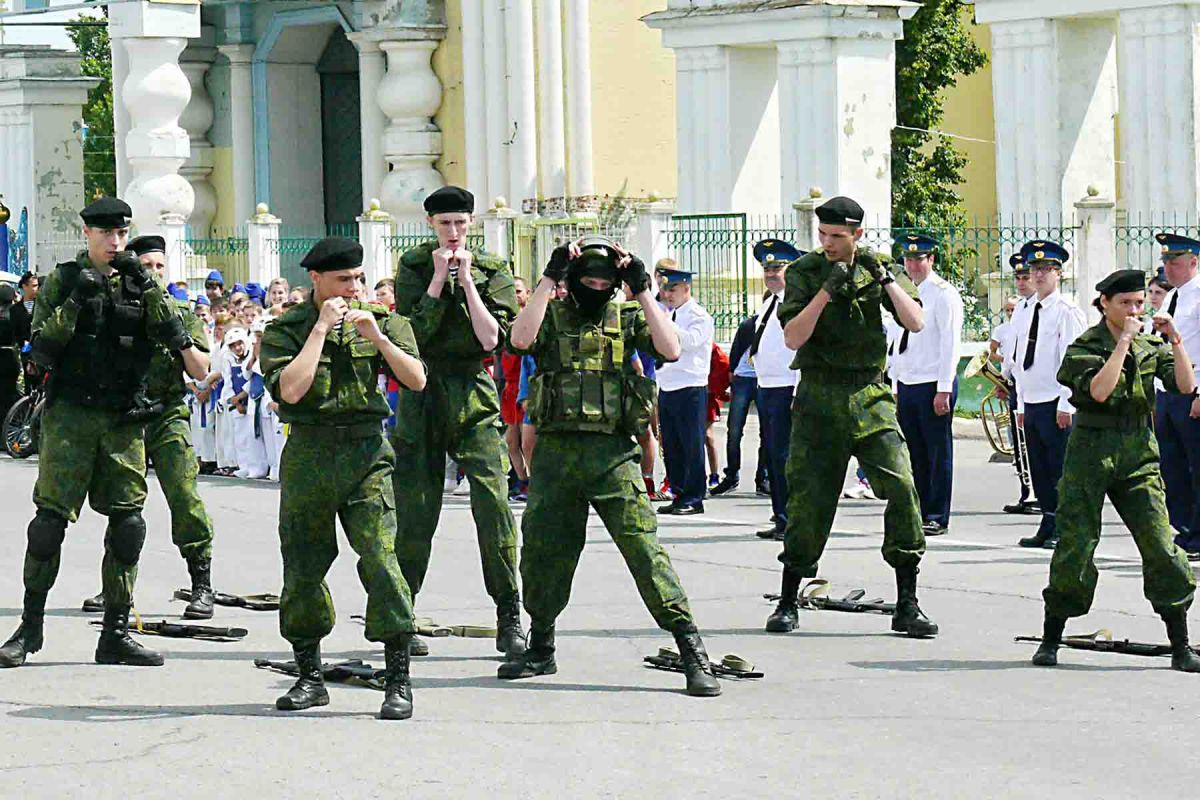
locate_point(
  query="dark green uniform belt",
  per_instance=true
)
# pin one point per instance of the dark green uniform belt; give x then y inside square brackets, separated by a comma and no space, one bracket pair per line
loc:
[359,430]
[1090,419]
[460,367]
[842,377]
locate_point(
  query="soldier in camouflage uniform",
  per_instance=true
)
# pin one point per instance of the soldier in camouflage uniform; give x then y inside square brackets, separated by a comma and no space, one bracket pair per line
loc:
[831,313]
[589,406]
[95,325]
[1110,370]
[321,362]
[460,305]
[169,440]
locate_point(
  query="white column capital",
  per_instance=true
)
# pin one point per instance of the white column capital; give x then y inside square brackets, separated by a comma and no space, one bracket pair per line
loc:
[365,42]
[697,59]
[804,52]
[1023,34]
[145,19]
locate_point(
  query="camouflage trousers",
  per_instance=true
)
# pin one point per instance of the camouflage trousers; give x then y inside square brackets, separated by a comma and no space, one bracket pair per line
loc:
[457,414]
[570,472]
[95,455]
[1124,466]
[169,448]
[325,476]
[832,422]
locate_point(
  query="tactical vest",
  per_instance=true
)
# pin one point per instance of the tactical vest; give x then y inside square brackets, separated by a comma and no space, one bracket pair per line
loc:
[106,363]
[585,380]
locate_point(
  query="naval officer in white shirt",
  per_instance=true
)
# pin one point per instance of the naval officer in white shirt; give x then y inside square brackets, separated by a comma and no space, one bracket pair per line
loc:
[927,382]
[683,396]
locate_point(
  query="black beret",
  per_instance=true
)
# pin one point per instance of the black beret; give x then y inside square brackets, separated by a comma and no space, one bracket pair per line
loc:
[147,244]
[107,212]
[1123,280]
[333,253]
[450,200]
[841,211]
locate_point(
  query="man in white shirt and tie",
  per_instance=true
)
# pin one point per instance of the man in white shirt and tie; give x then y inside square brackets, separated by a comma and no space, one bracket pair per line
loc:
[927,377]
[1177,426]
[683,396]
[772,361]
[1049,325]
[1023,279]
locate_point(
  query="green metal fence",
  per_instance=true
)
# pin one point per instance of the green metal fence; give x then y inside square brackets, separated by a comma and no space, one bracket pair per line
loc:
[224,249]
[294,242]
[1134,237]
[409,235]
[715,247]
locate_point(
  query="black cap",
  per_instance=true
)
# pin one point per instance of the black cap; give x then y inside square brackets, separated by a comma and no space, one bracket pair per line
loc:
[333,253]
[107,212]
[450,200]
[1123,280]
[147,244]
[841,211]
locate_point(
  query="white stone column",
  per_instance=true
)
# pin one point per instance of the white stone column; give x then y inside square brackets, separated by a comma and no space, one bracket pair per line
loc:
[374,228]
[497,230]
[553,145]
[173,229]
[157,90]
[409,95]
[496,98]
[578,49]
[650,242]
[241,123]
[372,66]
[522,148]
[1095,247]
[262,231]
[1055,100]
[703,126]
[1160,114]
[475,92]
[121,124]
[197,119]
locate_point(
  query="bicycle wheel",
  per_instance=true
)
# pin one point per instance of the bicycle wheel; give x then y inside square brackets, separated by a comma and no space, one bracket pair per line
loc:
[21,427]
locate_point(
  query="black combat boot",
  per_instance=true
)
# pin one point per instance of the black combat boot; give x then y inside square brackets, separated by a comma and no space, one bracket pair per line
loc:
[908,617]
[397,686]
[1052,631]
[1183,658]
[538,658]
[28,637]
[94,605]
[309,689]
[700,679]
[201,605]
[787,615]
[117,647]
[510,638]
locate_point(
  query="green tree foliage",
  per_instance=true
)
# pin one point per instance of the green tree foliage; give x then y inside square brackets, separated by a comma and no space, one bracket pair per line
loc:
[99,158]
[937,49]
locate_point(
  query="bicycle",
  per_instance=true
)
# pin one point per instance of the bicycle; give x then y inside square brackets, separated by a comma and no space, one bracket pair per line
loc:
[22,423]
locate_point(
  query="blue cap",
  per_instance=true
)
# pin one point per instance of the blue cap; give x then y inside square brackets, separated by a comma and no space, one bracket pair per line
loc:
[178,292]
[1017,262]
[215,277]
[770,251]
[915,244]
[255,291]
[237,287]
[1044,250]
[676,276]
[202,300]
[1173,245]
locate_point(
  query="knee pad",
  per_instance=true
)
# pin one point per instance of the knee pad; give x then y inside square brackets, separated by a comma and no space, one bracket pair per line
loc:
[46,533]
[125,537]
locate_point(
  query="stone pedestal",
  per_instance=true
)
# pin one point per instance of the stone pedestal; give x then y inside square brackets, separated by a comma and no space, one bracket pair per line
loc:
[262,232]
[173,228]
[1095,247]
[807,238]
[650,240]
[374,228]
[497,231]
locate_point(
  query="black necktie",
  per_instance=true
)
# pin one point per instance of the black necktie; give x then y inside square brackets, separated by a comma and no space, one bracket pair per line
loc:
[1033,333]
[904,341]
[1171,311]
[762,325]
[673,313]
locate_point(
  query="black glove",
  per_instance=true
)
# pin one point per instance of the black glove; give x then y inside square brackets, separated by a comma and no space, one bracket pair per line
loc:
[174,335]
[876,270]
[634,274]
[839,276]
[556,268]
[89,284]
[129,266]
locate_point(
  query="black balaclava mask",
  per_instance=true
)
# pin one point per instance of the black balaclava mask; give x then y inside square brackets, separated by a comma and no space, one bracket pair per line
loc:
[598,260]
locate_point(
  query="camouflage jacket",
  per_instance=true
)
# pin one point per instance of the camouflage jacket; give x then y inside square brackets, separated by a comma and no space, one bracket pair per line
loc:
[1148,358]
[165,383]
[441,325]
[849,335]
[345,388]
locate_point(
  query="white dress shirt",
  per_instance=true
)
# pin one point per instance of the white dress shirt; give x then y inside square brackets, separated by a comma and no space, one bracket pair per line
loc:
[1187,318]
[695,328]
[773,361]
[932,354]
[1008,348]
[1059,323]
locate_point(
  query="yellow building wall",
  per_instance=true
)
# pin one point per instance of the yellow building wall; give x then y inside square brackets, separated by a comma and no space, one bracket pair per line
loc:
[450,118]
[969,114]
[633,101]
[222,181]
